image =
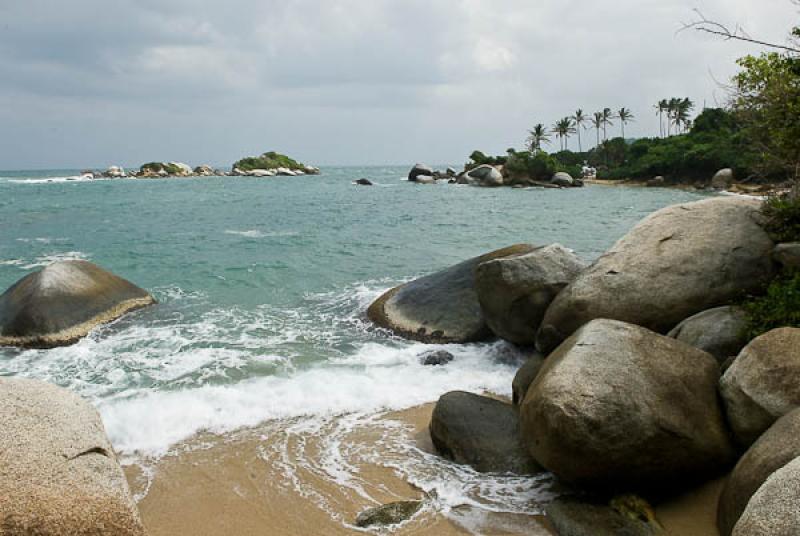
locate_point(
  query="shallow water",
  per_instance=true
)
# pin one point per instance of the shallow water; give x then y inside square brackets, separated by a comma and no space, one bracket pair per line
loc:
[263,284]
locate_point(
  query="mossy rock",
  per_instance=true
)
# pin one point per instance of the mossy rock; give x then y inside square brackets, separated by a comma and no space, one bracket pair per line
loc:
[388,514]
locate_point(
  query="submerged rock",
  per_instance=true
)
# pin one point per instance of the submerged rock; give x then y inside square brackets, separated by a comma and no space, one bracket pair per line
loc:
[762,383]
[439,308]
[720,331]
[63,302]
[436,358]
[620,407]
[388,514]
[775,448]
[675,263]
[625,515]
[481,432]
[515,291]
[59,473]
[773,509]
[364,182]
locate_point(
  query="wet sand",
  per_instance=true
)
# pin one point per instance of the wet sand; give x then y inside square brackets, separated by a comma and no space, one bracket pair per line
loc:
[248,483]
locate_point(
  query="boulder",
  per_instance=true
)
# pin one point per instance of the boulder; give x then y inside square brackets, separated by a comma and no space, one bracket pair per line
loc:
[63,302]
[775,448]
[425,179]
[787,255]
[262,173]
[481,432]
[675,263]
[115,172]
[562,179]
[184,170]
[439,308]
[59,474]
[515,291]
[311,170]
[525,376]
[719,331]
[722,179]
[626,515]
[773,509]
[436,358]
[620,407]
[420,169]
[485,175]
[762,383]
[388,514]
[656,182]
[363,182]
[451,172]
[204,171]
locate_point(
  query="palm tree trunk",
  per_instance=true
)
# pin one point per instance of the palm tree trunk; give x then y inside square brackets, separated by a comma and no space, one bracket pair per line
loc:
[580,149]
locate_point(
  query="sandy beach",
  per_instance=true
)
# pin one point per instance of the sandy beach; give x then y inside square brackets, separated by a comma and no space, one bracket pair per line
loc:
[257,481]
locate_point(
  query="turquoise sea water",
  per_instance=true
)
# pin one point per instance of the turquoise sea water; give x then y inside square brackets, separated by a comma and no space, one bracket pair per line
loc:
[263,284]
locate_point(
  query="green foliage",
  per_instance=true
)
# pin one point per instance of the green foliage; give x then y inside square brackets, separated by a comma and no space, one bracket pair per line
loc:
[158,167]
[540,166]
[269,160]
[766,101]
[480,159]
[783,217]
[779,307]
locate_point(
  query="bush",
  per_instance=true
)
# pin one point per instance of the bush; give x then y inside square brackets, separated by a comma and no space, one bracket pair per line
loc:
[779,307]
[540,166]
[783,217]
[480,159]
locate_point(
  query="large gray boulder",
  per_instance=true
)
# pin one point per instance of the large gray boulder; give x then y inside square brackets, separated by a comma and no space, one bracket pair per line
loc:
[720,331]
[676,262]
[63,302]
[481,432]
[773,510]
[515,291]
[418,170]
[722,179]
[59,475]
[525,376]
[439,308]
[762,383]
[485,175]
[563,179]
[620,407]
[775,448]
[788,255]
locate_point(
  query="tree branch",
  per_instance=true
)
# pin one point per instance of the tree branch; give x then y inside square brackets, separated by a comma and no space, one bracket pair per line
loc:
[738,34]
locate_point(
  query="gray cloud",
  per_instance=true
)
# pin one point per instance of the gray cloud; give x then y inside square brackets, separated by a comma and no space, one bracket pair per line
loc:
[94,82]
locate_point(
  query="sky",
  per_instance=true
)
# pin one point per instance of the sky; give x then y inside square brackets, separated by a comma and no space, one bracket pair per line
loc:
[92,83]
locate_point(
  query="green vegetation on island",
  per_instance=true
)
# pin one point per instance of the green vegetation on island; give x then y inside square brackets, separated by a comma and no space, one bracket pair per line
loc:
[268,160]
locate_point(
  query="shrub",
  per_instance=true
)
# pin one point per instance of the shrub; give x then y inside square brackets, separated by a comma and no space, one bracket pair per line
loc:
[783,217]
[268,160]
[779,307]
[540,166]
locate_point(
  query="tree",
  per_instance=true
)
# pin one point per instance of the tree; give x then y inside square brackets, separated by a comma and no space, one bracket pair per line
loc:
[597,123]
[579,119]
[662,106]
[625,116]
[607,117]
[537,137]
[563,128]
[683,107]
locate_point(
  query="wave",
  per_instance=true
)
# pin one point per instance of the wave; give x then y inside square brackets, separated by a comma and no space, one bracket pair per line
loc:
[255,233]
[55,180]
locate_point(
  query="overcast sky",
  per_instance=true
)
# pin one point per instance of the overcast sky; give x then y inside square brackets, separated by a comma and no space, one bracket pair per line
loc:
[89,83]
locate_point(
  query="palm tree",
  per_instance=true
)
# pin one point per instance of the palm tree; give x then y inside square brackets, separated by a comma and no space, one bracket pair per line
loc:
[565,127]
[607,117]
[579,119]
[625,116]
[672,110]
[683,107]
[662,106]
[537,137]
[597,123]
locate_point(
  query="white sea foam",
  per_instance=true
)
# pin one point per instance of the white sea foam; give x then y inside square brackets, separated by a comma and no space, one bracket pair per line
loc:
[58,180]
[255,233]
[46,260]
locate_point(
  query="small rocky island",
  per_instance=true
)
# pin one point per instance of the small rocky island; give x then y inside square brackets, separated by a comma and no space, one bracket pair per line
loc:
[269,164]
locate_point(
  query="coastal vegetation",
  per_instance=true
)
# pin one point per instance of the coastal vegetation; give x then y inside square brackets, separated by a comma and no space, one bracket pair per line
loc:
[268,160]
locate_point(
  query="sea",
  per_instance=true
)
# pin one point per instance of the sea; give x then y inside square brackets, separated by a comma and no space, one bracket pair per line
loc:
[263,284]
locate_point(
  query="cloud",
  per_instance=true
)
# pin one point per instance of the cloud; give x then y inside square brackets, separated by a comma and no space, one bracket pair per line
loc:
[341,81]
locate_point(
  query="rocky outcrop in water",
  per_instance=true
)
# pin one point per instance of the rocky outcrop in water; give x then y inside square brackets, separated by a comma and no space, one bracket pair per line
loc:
[762,383]
[439,308]
[515,291]
[59,474]
[620,407]
[677,262]
[388,514]
[63,302]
